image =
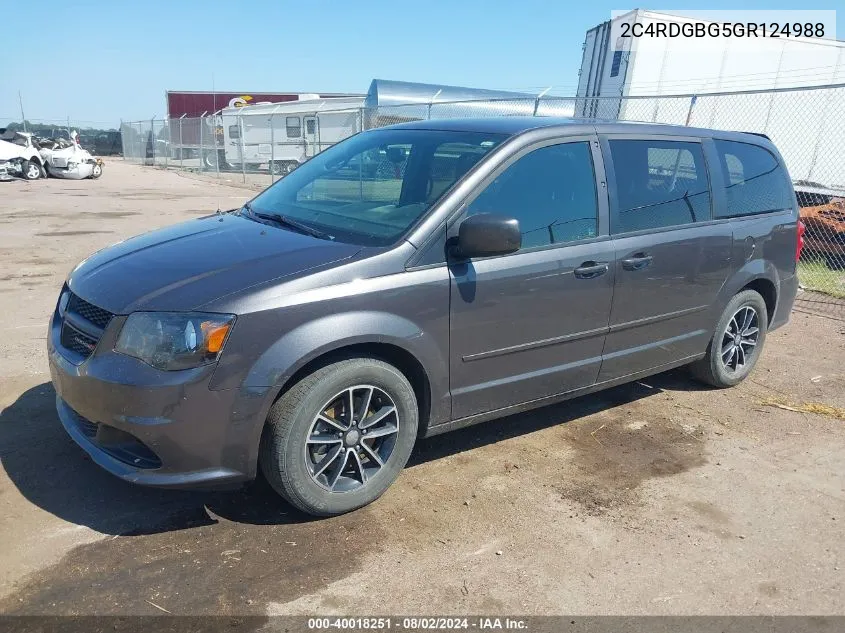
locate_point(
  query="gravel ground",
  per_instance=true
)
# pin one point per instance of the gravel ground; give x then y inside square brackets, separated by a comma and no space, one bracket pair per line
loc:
[660,497]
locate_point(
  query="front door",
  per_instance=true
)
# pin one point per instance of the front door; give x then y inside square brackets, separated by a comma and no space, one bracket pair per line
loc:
[532,324]
[311,135]
[671,258]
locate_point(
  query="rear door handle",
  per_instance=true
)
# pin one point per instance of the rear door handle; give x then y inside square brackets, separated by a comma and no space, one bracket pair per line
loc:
[637,262]
[591,270]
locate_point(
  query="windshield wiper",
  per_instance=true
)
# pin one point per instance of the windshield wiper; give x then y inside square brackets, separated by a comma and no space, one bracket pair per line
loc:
[278,218]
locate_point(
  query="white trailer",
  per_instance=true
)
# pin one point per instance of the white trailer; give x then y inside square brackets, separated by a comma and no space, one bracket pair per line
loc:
[789,88]
[284,135]
[616,63]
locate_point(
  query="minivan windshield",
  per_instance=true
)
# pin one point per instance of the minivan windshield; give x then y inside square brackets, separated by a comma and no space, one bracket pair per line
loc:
[370,188]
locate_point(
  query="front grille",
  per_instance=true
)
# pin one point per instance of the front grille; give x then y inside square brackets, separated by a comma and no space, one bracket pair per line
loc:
[82,326]
[76,341]
[88,311]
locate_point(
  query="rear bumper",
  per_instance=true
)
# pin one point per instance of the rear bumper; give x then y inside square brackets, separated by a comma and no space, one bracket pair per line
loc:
[156,428]
[785,299]
[73,171]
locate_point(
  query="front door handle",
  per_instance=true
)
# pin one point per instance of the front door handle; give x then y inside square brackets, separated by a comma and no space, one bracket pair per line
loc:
[591,270]
[637,262]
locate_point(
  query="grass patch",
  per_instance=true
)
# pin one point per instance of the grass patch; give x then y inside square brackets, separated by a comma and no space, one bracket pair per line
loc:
[817,275]
[818,408]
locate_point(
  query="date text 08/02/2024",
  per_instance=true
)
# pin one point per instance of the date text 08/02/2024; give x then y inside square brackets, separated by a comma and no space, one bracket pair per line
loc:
[416,623]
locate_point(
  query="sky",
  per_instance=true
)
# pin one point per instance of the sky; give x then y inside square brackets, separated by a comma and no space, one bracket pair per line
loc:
[108,61]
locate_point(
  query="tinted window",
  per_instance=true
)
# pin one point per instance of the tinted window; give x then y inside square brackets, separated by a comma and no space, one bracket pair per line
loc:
[754,179]
[552,193]
[659,184]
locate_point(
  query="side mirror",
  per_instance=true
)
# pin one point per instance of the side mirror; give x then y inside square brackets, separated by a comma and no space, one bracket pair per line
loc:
[488,234]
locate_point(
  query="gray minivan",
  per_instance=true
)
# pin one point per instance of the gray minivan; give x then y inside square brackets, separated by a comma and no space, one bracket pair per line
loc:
[418,278]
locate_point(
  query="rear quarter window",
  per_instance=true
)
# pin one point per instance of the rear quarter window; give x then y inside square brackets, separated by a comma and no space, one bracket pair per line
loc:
[755,182]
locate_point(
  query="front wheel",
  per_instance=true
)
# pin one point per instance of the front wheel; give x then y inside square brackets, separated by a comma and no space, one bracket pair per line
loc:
[31,169]
[337,439]
[737,343]
[97,171]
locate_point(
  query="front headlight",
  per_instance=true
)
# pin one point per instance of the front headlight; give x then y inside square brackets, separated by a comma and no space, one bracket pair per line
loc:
[63,301]
[170,341]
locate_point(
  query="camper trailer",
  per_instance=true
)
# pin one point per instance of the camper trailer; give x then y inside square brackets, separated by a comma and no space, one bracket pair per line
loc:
[281,136]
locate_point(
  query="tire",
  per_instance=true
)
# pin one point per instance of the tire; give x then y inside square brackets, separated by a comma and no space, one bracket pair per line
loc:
[290,166]
[210,159]
[97,172]
[30,169]
[294,465]
[713,369]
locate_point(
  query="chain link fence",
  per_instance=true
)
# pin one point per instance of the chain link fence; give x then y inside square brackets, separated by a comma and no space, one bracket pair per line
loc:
[806,124]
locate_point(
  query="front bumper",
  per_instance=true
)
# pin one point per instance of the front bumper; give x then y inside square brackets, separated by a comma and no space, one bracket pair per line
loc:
[153,427]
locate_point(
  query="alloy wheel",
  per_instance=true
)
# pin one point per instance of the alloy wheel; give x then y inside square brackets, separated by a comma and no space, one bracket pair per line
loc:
[740,338]
[351,438]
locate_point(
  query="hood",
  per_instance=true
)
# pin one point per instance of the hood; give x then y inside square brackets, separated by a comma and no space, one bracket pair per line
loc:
[12,150]
[187,265]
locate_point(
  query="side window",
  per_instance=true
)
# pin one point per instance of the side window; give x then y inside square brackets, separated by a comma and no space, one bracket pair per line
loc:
[551,191]
[293,126]
[755,181]
[658,184]
[310,126]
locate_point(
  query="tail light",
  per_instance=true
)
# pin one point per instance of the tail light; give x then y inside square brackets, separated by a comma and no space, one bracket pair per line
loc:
[802,228]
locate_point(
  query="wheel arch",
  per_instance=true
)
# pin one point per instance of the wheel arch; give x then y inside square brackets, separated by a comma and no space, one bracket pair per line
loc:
[391,354]
[765,288]
[758,275]
[388,337]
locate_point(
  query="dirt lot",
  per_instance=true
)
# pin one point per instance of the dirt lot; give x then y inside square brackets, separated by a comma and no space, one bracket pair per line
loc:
[658,497]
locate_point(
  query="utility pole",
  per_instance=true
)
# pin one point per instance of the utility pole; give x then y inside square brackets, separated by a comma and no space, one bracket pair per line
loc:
[23,118]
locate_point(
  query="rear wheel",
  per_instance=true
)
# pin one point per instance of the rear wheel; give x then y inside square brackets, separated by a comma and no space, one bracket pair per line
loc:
[337,439]
[31,169]
[283,167]
[737,343]
[210,159]
[97,171]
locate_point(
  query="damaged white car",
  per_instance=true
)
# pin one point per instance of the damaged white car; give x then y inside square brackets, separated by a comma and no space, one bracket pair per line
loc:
[66,159]
[19,157]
